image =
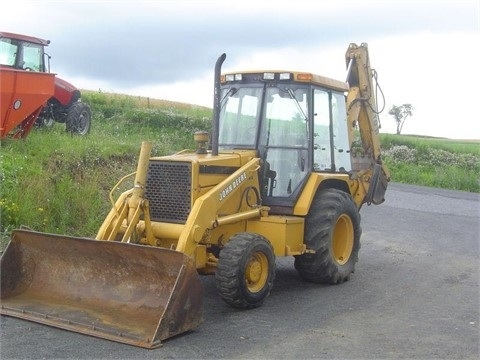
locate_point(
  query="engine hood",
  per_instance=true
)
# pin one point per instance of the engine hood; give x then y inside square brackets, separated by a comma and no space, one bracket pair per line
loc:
[65,92]
[65,85]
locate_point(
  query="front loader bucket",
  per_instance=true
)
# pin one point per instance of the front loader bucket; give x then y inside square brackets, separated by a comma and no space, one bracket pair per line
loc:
[134,294]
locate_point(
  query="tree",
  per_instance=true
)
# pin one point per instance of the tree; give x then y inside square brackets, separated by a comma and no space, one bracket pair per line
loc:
[400,114]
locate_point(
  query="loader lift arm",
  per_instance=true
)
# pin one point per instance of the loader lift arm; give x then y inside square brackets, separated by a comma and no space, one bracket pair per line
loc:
[131,211]
[205,216]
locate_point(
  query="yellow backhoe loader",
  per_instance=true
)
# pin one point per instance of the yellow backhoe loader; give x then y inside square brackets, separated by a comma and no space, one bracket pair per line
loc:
[292,158]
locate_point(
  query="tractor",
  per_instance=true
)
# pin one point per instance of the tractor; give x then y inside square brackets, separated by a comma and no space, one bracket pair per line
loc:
[27,96]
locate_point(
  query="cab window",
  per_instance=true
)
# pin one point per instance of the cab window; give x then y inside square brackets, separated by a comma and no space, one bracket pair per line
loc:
[331,144]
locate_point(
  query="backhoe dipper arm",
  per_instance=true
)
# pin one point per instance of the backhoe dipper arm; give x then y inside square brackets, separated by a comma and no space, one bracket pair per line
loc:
[362,111]
[361,104]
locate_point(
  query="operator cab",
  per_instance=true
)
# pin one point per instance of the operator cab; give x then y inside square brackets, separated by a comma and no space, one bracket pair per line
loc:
[22,52]
[296,122]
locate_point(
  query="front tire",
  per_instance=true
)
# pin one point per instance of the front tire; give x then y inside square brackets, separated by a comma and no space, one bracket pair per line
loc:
[332,229]
[245,271]
[79,119]
[45,122]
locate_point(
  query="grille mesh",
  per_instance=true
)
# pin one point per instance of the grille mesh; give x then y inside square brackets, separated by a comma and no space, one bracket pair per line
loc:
[168,189]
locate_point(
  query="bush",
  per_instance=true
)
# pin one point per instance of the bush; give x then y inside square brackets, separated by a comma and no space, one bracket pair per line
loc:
[400,154]
[434,167]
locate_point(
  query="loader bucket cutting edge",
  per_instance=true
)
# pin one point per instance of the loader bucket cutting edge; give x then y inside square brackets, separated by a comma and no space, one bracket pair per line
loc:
[134,294]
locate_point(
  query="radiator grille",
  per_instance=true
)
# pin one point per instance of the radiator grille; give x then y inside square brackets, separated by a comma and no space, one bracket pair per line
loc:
[168,189]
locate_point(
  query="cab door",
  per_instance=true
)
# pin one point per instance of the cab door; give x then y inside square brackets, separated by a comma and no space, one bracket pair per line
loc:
[283,144]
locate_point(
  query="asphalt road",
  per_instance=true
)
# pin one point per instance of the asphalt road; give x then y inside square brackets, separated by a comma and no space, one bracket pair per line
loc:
[414,295]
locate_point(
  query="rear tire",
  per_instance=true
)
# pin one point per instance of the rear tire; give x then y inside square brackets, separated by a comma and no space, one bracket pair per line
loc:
[332,229]
[79,119]
[245,271]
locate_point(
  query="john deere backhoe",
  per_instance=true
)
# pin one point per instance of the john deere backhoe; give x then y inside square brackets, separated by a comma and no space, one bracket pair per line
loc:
[290,163]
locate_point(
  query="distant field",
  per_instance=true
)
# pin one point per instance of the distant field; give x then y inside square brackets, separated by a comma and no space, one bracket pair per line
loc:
[471,146]
[435,162]
[53,182]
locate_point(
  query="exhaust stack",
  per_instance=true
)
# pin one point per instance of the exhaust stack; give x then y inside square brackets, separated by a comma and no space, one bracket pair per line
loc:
[216,103]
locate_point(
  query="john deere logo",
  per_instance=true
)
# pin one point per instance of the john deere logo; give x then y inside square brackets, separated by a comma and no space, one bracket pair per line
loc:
[224,193]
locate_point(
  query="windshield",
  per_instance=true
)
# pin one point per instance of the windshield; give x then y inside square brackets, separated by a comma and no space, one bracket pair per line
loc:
[8,51]
[240,112]
[239,117]
[273,119]
[21,55]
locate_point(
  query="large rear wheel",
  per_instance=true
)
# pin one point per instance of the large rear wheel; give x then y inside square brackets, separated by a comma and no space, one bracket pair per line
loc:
[332,229]
[79,119]
[246,270]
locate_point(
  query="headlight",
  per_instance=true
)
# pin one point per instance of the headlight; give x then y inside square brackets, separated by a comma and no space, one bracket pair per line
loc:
[233,77]
[268,76]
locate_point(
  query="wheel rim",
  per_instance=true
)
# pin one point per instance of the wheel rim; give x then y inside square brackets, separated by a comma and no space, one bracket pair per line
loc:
[48,122]
[82,123]
[342,242]
[256,272]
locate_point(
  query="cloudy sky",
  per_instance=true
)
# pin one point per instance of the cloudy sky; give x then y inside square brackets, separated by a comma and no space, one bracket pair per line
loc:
[425,52]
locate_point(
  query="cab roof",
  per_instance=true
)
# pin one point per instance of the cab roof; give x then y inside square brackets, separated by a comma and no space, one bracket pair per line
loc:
[297,76]
[32,39]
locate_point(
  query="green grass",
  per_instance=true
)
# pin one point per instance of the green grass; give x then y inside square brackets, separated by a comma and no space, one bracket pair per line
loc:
[434,162]
[57,183]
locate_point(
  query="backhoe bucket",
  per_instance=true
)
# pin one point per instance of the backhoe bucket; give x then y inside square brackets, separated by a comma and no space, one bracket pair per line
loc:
[134,294]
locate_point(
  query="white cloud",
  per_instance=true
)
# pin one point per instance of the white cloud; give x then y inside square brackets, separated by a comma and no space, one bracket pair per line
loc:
[436,73]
